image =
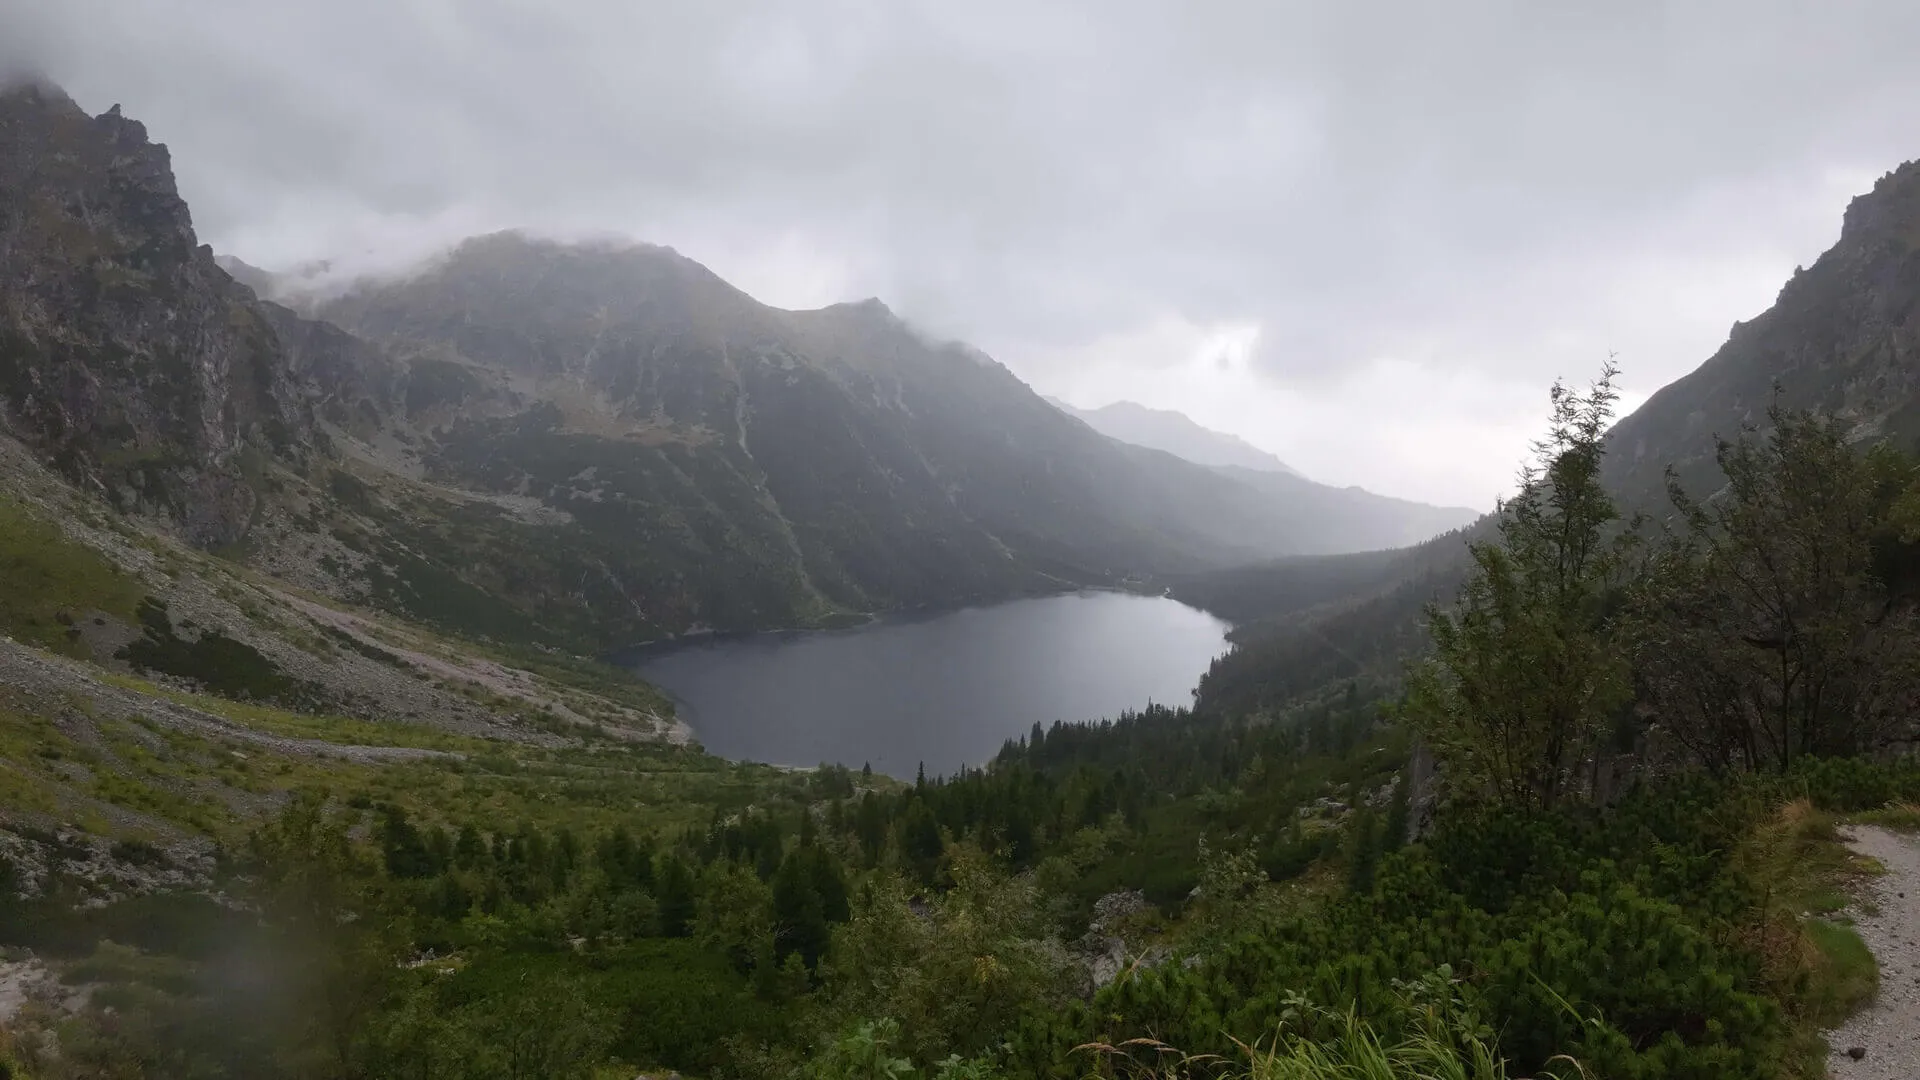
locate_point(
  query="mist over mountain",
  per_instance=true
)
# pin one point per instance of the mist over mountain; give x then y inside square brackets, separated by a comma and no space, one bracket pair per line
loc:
[598,442]
[1177,434]
[1843,338]
[1369,521]
[403,675]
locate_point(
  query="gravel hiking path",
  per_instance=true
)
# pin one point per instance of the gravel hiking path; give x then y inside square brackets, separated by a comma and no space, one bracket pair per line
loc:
[1889,1027]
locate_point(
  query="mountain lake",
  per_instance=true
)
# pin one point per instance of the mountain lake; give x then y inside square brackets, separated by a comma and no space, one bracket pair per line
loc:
[941,690]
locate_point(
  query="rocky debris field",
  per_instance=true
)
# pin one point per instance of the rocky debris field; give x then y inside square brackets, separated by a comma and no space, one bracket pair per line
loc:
[73,694]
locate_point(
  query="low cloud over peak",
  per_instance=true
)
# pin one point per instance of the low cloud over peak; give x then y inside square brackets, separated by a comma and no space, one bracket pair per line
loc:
[1363,237]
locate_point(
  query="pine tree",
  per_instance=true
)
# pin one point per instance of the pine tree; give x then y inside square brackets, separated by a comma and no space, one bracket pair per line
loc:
[678,901]
[799,913]
[405,853]
[469,851]
[920,843]
[870,822]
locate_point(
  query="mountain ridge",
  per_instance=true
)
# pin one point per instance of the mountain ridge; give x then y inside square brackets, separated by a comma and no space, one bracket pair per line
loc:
[1842,337]
[1176,433]
[1390,522]
[592,444]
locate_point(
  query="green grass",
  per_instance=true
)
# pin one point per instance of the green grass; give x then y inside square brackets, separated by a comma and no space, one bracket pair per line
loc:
[115,963]
[1440,1044]
[226,666]
[1817,965]
[1900,817]
[1826,901]
[1802,862]
[212,784]
[191,778]
[31,750]
[1844,973]
[52,582]
[334,729]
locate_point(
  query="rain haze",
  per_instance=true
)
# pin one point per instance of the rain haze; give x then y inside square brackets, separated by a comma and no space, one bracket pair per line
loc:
[1364,237]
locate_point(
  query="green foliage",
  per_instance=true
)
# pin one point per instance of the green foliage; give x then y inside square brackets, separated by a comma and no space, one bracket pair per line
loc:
[1230,897]
[52,582]
[1433,1033]
[1526,671]
[1627,919]
[1846,974]
[1632,938]
[864,1053]
[809,896]
[738,913]
[524,911]
[1769,631]
[678,901]
[219,663]
[957,971]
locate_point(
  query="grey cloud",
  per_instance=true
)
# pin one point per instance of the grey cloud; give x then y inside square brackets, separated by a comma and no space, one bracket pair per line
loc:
[1495,190]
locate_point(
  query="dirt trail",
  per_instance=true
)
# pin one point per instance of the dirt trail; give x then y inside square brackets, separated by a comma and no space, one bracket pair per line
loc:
[1888,1028]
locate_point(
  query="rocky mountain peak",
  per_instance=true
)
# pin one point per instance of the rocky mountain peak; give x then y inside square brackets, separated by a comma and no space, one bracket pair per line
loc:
[126,353]
[1843,338]
[1892,207]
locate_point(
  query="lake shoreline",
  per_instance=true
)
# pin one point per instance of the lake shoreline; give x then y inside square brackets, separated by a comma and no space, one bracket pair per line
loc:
[943,690]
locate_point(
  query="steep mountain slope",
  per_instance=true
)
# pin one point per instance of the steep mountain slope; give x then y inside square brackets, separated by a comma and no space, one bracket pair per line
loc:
[589,444]
[158,700]
[1843,338]
[1176,433]
[827,459]
[1307,625]
[864,465]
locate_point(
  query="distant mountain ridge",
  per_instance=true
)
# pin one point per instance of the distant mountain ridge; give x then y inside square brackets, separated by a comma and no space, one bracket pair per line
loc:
[1388,522]
[593,444]
[1176,433]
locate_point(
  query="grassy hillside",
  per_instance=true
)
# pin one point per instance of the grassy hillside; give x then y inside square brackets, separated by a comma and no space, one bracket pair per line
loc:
[53,582]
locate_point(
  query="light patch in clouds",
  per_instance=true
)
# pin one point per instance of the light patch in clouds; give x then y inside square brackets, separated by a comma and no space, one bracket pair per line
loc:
[1413,215]
[1213,380]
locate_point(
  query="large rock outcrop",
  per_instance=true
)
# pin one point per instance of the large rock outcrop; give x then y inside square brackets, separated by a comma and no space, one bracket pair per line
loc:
[126,355]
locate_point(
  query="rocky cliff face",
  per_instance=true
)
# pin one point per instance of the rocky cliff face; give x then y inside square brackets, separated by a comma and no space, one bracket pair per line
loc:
[126,355]
[1843,338]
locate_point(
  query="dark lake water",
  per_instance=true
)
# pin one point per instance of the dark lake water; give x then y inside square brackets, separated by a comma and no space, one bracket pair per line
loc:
[946,689]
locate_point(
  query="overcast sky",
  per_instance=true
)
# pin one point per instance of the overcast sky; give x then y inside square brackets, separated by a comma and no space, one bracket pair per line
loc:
[1363,236]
